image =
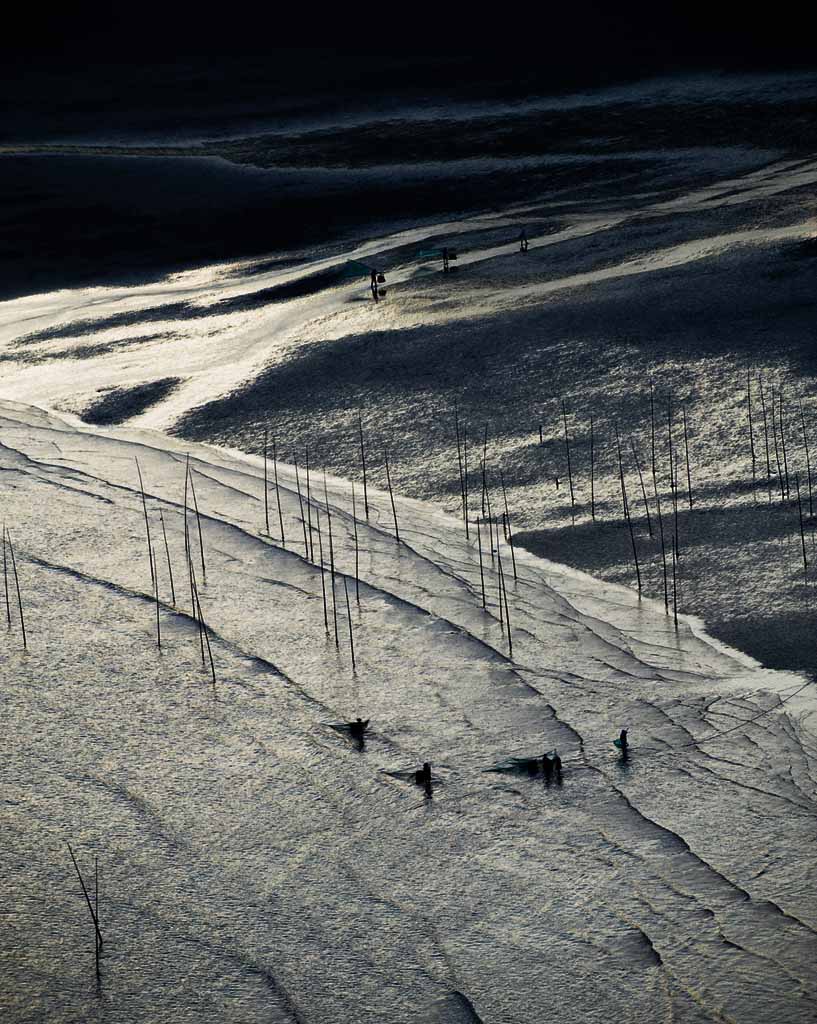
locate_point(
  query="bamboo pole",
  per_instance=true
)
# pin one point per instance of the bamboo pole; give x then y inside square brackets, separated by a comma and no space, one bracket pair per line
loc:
[91,911]
[484,467]
[465,474]
[751,432]
[323,572]
[686,450]
[194,598]
[808,459]
[627,509]
[777,448]
[766,439]
[507,524]
[309,508]
[391,496]
[675,581]
[592,472]
[156,594]
[357,546]
[459,459]
[349,618]
[167,555]
[198,528]
[491,527]
[266,496]
[643,488]
[505,599]
[301,504]
[569,465]
[203,627]
[783,445]
[673,475]
[145,510]
[802,530]
[278,492]
[17,585]
[481,570]
[6,578]
[363,463]
[331,561]
[187,555]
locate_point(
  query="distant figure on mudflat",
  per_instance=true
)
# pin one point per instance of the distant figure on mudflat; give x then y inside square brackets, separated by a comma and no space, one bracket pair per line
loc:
[557,766]
[423,777]
[358,729]
[373,285]
[622,744]
[523,241]
[547,768]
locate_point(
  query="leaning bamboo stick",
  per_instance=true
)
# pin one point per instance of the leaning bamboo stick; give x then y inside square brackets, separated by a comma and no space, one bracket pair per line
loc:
[156,595]
[331,561]
[17,585]
[569,465]
[802,529]
[145,510]
[349,618]
[301,504]
[643,488]
[309,507]
[6,578]
[391,496]
[766,439]
[91,911]
[278,493]
[167,555]
[751,433]
[323,573]
[592,472]
[198,528]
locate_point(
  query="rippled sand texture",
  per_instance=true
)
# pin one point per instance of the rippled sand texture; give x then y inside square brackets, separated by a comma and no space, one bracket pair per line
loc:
[257,866]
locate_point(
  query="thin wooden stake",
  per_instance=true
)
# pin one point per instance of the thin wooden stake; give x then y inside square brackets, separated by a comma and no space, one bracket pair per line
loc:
[465,475]
[331,561]
[686,450]
[145,510]
[301,504]
[363,464]
[808,459]
[156,594]
[349,617]
[505,598]
[484,467]
[6,578]
[167,555]
[266,496]
[391,496]
[459,458]
[17,585]
[481,570]
[309,509]
[569,466]
[766,440]
[627,509]
[783,445]
[592,472]
[643,488]
[198,528]
[777,448]
[323,571]
[357,546]
[751,433]
[802,530]
[91,911]
[278,493]
[203,627]
[675,580]
[510,544]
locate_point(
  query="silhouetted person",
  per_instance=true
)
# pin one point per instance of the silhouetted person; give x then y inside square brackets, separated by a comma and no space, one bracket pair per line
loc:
[547,768]
[622,743]
[358,730]
[557,767]
[523,241]
[423,777]
[374,285]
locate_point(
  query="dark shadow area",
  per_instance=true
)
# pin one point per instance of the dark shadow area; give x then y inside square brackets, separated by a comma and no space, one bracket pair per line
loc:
[121,404]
